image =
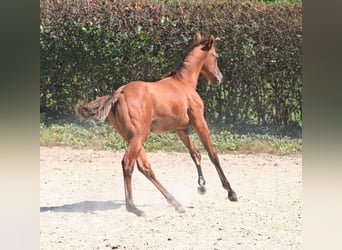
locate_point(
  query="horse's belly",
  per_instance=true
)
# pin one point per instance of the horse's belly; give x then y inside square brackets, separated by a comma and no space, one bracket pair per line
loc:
[163,124]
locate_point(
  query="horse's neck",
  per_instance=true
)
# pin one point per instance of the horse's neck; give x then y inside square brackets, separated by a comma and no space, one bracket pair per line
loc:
[190,73]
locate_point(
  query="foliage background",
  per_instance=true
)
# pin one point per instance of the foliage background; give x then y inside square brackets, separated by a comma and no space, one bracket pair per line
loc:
[90,48]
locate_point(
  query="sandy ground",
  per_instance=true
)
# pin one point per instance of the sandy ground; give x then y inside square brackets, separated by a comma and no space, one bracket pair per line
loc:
[82,202]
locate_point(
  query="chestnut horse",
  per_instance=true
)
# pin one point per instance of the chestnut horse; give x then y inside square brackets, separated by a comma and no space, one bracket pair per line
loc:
[171,104]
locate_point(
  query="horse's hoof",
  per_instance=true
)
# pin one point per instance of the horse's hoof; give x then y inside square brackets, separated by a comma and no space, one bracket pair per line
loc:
[201,190]
[232,196]
[180,209]
[137,212]
[141,214]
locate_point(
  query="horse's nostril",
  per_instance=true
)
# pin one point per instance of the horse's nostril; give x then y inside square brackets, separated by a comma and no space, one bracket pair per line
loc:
[218,80]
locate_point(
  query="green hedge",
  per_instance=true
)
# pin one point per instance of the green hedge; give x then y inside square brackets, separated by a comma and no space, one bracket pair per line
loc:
[90,48]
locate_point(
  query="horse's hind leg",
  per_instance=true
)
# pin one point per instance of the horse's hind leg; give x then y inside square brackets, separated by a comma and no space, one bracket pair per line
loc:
[196,157]
[145,167]
[128,162]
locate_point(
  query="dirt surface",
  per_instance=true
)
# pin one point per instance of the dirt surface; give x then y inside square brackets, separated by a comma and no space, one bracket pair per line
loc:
[82,202]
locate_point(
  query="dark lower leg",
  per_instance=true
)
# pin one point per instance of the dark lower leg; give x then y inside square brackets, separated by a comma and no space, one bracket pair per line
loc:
[225,183]
[203,133]
[196,157]
[201,181]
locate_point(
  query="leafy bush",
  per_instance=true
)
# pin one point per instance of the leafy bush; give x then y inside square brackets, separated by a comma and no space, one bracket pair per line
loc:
[90,48]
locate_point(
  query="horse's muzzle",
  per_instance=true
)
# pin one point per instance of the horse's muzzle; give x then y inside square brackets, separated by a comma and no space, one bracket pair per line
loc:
[217,81]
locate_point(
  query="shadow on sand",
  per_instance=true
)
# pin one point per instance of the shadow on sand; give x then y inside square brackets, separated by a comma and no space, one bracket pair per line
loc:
[85,207]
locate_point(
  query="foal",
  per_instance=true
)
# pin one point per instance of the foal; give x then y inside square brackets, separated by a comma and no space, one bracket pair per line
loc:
[171,104]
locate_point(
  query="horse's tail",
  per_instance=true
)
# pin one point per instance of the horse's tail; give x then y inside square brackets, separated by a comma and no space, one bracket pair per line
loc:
[97,109]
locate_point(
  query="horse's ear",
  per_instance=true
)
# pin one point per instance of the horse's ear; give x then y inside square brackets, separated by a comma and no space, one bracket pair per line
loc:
[197,37]
[211,42]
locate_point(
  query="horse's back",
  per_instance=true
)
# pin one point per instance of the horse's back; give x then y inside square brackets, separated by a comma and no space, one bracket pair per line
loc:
[161,92]
[161,106]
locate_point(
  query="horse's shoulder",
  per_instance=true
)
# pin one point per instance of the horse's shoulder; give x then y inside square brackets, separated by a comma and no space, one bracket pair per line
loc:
[194,99]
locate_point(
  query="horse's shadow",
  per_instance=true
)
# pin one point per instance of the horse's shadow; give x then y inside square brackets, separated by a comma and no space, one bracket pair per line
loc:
[85,207]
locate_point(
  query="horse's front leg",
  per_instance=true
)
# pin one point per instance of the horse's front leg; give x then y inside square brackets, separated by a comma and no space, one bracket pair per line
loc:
[201,128]
[196,157]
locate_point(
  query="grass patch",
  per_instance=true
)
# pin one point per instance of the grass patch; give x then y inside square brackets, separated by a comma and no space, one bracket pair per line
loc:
[100,136]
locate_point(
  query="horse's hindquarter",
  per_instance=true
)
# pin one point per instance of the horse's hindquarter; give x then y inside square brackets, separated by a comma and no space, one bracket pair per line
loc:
[133,113]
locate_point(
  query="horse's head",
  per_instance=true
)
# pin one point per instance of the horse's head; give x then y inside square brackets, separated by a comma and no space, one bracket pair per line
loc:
[210,68]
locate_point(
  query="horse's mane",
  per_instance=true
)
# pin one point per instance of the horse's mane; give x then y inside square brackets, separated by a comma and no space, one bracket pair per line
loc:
[182,65]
